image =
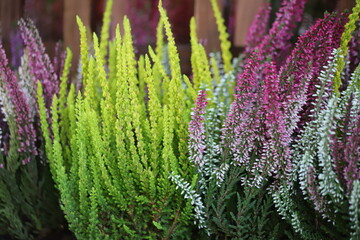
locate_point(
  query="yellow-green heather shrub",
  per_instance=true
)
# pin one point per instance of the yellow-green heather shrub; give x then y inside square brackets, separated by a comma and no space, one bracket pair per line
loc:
[113,145]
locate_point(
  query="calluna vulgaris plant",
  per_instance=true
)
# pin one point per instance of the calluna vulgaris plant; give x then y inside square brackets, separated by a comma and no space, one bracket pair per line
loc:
[28,200]
[265,147]
[325,178]
[113,145]
[254,145]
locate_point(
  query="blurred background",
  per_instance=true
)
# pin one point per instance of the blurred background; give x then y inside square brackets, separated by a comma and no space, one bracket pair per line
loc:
[56,22]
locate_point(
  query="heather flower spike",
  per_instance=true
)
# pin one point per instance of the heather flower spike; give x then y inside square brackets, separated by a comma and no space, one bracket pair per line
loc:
[258,29]
[281,31]
[40,64]
[196,131]
[25,127]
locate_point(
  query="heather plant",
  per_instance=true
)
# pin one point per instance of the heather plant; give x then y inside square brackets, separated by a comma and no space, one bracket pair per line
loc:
[113,144]
[242,160]
[28,199]
[325,178]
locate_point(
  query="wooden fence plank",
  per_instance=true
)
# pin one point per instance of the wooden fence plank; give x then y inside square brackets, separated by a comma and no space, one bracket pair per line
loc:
[73,8]
[118,12]
[345,4]
[245,13]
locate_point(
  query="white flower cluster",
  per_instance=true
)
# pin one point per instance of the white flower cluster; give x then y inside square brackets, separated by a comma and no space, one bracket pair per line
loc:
[27,84]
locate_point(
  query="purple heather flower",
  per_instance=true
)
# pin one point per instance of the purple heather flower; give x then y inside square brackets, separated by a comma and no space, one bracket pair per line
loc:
[17,48]
[242,131]
[312,51]
[196,130]
[327,33]
[352,155]
[276,154]
[40,64]
[26,133]
[258,29]
[59,58]
[314,192]
[281,30]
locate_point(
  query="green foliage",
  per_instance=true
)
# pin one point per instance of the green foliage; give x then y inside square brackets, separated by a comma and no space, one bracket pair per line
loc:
[345,39]
[113,149]
[235,212]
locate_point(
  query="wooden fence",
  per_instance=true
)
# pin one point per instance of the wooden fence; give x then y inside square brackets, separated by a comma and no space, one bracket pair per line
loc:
[11,11]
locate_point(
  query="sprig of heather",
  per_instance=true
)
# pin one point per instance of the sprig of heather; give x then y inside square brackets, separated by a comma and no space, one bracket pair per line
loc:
[242,123]
[345,39]
[275,158]
[17,48]
[258,29]
[195,198]
[299,75]
[27,84]
[40,65]
[26,132]
[59,58]
[352,155]
[306,146]
[314,47]
[277,40]
[196,131]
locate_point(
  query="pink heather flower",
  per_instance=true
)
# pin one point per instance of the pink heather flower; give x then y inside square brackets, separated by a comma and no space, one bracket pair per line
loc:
[59,59]
[313,189]
[281,30]
[275,158]
[339,142]
[258,29]
[242,130]
[312,51]
[327,37]
[17,48]
[26,133]
[352,155]
[196,131]
[40,64]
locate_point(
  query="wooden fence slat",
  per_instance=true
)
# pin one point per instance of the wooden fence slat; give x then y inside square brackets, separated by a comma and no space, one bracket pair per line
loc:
[345,4]
[73,8]
[245,12]
[118,12]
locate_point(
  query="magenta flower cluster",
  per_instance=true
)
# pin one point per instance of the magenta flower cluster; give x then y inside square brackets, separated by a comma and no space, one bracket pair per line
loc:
[40,64]
[26,133]
[19,89]
[196,130]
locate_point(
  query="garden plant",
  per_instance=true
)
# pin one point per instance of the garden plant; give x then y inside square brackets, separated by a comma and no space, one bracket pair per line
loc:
[265,145]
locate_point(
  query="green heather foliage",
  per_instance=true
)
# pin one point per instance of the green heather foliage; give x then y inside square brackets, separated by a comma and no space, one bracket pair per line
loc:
[270,150]
[113,145]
